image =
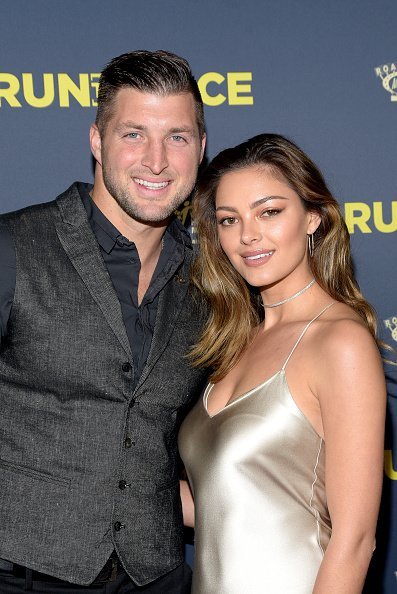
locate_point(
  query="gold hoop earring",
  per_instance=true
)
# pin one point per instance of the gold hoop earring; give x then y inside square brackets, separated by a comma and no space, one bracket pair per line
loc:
[310,244]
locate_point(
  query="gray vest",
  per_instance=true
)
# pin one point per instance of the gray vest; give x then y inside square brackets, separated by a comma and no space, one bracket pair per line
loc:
[87,464]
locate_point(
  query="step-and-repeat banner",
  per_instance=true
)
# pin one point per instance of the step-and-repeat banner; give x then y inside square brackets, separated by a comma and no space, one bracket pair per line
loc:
[322,73]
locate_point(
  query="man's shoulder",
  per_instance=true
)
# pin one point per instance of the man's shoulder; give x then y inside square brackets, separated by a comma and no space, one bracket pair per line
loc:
[7,248]
[32,209]
[70,197]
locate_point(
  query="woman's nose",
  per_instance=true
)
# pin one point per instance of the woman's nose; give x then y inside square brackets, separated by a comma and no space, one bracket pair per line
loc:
[250,233]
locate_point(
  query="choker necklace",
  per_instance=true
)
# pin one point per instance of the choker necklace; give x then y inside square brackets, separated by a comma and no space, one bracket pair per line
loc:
[292,296]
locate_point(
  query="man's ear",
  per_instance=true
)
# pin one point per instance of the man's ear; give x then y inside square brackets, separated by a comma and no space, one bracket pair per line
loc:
[96,143]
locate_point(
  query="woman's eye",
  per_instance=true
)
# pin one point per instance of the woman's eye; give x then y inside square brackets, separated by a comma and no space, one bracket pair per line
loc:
[227,221]
[271,212]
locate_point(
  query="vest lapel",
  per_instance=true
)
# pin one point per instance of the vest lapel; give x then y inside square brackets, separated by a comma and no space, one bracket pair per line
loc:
[79,243]
[170,302]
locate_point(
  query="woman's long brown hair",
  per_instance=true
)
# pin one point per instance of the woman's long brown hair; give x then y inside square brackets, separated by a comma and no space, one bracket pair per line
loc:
[233,305]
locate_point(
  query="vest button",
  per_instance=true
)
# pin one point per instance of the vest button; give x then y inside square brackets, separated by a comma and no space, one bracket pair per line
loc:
[122,485]
[126,367]
[118,526]
[132,403]
[128,442]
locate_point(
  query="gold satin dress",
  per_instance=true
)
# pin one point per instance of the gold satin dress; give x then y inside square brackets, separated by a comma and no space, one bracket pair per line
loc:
[256,469]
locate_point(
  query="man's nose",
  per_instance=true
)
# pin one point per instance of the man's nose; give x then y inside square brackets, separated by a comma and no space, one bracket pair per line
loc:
[155,157]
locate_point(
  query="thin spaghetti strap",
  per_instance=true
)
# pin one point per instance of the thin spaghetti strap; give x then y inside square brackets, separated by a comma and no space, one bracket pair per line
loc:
[304,332]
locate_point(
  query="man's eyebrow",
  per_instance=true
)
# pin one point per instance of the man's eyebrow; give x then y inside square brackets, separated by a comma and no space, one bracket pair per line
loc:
[183,129]
[128,124]
[253,204]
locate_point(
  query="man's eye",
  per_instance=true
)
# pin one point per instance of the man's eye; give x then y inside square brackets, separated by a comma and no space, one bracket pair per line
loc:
[177,138]
[132,135]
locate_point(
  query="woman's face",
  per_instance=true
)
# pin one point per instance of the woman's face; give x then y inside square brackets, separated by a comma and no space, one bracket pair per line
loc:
[263,226]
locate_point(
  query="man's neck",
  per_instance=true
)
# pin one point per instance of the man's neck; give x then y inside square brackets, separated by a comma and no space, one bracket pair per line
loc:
[146,237]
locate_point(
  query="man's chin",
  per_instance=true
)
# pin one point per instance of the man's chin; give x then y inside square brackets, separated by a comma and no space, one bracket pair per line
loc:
[151,217]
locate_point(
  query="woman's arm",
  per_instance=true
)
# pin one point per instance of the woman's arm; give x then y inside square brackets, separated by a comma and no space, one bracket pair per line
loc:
[349,383]
[187,504]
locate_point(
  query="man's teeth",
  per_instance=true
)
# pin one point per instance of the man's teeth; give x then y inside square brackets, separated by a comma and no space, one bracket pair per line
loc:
[258,256]
[150,185]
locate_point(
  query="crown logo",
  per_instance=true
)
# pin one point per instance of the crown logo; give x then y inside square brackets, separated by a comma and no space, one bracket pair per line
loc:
[391,324]
[388,75]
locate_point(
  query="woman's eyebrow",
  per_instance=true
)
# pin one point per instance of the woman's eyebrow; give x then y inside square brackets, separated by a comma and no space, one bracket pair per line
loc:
[254,204]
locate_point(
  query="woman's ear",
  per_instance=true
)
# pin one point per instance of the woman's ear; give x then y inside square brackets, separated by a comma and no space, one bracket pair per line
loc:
[314,221]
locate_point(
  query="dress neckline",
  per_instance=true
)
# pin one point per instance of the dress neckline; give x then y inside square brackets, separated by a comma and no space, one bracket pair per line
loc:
[237,399]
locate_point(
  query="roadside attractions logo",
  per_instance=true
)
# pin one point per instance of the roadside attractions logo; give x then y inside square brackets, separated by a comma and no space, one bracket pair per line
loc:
[63,90]
[391,324]
[388,75]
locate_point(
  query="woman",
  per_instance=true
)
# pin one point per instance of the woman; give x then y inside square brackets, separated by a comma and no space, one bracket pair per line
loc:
[284,453]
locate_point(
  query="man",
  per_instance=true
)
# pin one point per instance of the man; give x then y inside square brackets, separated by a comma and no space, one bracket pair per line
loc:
[96,320]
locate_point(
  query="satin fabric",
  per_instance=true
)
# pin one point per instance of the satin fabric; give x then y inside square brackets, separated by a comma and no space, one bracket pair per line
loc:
[257,472]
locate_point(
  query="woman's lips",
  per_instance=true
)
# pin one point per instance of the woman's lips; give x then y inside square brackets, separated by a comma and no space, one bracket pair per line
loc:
[257,258]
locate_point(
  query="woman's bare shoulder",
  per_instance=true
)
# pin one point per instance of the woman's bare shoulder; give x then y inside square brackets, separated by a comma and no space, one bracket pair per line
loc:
[340,338]
[339,321]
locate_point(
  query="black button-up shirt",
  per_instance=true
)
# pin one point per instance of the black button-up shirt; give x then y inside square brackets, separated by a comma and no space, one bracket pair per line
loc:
[122,262]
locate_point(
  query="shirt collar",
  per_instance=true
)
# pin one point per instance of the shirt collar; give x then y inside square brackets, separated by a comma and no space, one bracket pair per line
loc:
[107,234]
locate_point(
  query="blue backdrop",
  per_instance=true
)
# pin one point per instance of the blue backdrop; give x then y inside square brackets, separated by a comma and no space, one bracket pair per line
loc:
[322,73]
